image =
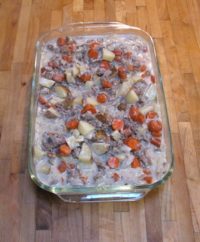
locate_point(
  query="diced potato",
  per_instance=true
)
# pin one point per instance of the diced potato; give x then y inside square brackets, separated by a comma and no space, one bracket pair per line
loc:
[100,148]
[78,100]
[144,110]
[91,100]
[116,135]
[61,91]
[124,88]
[85,128]
[38,152]
[151,93]
[72,142]
[135,79]
[55,100]
[46,83]
[131,97]
[121,156]
[85,154]
[75,133]
[70,77]
[81,68]
[75,71]
[89,84]
[108,55]
[142,129]
[52,113]
[45,169]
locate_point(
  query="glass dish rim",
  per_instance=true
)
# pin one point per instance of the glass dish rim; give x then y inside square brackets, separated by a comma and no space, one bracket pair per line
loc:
[78,190]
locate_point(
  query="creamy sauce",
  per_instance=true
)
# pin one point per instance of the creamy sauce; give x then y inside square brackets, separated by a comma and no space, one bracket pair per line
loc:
[115,138]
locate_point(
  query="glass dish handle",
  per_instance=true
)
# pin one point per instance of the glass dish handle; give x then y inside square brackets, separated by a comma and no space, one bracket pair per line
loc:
[104,197]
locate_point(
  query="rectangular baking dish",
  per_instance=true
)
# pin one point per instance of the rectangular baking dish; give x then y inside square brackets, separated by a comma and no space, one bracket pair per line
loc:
[101,193]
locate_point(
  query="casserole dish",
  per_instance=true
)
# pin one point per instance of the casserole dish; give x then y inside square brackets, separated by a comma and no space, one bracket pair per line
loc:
[90,190]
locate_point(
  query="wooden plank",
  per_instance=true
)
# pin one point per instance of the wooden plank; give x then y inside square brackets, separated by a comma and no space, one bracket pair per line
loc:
[120,11]
[22,31]
[56,19]
[193,12]
[78,5]
[153,210]
[106,222]
[43,236]
[192,97]
[67,13]
[176,80]
[182,203]
[140,3]
[121,207]
[142,20]
[138,220]
[163,12]
[109,10]
[9,16]
[192,168]
[153,19]
[99,13]
[88,5]
[88,15]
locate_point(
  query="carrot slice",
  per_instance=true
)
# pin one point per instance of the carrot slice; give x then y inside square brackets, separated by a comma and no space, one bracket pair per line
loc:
[151,115]
[133,143]
[156,142]
[113,162]
[64,150]
[67,58]
[117,124]
[85,77]
[135,163]
[122,73]
[42,100]
[143,68]
[153,79]
[58,77]
[72,124]
[93,53]
[156,134]
[135,115]
[62,167]
[88,108]
[155,126]
[146,171]
[148,179]
[61,41]
[106,84]
[115,176]
[101,97]
[128,55]
[105,64]
[94,44]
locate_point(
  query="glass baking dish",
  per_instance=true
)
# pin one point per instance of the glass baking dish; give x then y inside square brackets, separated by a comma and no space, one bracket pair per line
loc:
[100,193]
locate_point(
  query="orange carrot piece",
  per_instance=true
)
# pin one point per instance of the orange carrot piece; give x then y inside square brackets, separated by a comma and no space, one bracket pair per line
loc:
[117,124]
[64,150]
[113,162]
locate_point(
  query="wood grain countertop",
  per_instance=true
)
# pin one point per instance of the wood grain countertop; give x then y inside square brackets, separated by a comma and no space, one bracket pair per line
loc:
[168,214]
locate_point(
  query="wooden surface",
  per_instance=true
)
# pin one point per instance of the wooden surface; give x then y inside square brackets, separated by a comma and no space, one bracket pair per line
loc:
[168,214]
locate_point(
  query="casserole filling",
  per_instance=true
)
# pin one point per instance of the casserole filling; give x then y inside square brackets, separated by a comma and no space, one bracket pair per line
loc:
[98,118]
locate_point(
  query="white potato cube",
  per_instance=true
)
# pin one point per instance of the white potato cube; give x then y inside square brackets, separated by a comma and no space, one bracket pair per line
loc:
[85,154]
[46,83]
[108,55]
[100,148]
[131,97]
[85,128]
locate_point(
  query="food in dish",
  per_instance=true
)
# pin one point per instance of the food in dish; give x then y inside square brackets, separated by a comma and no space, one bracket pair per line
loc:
[98,117]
